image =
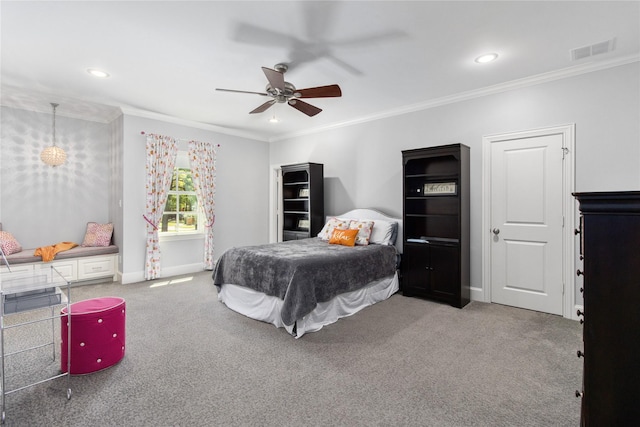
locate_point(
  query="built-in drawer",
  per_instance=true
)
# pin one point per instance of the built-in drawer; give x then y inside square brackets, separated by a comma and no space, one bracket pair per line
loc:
[67,269]
[16,268]
[96,267]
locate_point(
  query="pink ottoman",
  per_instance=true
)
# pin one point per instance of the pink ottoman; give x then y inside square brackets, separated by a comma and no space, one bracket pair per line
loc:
[97,334]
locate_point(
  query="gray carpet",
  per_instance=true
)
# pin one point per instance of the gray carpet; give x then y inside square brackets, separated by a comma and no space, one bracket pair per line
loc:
[190,361]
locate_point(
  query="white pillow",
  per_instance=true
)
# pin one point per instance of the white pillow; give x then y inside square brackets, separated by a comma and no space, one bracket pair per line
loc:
[333,224]
[384,232]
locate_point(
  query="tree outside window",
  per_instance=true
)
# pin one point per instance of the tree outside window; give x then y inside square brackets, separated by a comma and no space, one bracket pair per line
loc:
[181,212]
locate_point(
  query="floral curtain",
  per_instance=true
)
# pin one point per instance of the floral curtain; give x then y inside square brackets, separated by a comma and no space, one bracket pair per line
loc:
[202,158]
[161,158]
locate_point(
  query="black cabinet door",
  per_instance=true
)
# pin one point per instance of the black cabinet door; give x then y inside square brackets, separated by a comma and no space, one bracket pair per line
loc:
[445,273]
[416,270]
[431,270]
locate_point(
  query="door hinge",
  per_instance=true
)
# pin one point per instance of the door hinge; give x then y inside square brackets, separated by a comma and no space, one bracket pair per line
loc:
[565,151]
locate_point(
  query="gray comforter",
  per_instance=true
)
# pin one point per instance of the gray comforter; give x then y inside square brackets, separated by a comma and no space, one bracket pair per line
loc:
[304,272]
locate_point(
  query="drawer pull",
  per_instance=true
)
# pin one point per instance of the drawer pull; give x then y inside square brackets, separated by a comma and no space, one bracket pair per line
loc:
[579,353]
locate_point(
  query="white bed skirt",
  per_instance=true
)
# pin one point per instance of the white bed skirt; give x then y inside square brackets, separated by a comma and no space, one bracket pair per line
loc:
[259,306]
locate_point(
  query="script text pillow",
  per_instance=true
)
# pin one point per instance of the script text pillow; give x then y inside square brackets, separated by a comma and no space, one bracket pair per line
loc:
[9,244]
[98,234]
[343,237]
[332,224]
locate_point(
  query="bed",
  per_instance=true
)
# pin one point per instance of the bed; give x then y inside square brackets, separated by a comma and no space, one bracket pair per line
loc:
[303,285]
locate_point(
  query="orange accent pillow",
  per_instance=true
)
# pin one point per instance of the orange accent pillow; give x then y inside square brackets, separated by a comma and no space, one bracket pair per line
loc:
[343,237]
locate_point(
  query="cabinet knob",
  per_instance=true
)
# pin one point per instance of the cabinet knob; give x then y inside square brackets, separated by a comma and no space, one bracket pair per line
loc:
[577,231]
[579,393]
[579,273]
[580,353]
[496,231]
[580,312]
[581,290]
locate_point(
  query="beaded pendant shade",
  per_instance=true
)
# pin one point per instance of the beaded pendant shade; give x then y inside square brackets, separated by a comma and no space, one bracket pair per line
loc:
[53,155]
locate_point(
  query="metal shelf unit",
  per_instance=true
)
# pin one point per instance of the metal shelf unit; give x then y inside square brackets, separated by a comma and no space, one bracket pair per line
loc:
[29,291]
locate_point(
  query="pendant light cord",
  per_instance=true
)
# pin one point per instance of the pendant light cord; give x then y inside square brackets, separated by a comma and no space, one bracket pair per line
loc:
[54,105]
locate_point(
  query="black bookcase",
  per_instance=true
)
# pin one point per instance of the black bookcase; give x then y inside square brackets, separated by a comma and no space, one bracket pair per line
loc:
[436,256]
[302,200]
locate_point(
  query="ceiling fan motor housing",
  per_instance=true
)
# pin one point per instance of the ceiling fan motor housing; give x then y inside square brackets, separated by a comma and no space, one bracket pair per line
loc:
[282,95]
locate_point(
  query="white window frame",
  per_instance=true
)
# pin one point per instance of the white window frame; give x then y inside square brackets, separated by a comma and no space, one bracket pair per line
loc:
[182,161]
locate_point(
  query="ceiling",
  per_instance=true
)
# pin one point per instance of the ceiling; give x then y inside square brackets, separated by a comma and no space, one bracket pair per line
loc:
[166,58]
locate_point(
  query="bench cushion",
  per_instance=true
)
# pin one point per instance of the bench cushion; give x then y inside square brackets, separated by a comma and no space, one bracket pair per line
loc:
[26,255]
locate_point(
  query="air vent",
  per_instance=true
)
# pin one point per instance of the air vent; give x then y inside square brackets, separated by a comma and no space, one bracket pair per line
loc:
[594,49]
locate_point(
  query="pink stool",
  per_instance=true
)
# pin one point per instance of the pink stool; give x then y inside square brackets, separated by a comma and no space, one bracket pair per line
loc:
[97,334]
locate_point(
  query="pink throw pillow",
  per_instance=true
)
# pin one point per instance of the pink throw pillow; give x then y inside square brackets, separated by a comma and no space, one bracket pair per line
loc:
[9,244]
[98,234]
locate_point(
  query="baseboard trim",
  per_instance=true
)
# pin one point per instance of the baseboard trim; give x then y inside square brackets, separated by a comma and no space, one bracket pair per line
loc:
[477,294]
[177,270]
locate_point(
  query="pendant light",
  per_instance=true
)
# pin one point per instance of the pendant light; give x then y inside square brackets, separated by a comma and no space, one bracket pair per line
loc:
[53,155]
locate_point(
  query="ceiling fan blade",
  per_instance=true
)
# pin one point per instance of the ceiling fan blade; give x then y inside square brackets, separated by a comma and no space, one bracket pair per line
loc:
[263,107]
[320,92]
[259,36]
[242,91]
[276,78]
[302,106]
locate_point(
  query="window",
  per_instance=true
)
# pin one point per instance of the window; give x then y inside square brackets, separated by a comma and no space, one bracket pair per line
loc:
[182,214]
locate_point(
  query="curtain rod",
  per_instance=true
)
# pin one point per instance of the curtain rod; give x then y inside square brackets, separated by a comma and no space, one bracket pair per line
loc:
[178,139]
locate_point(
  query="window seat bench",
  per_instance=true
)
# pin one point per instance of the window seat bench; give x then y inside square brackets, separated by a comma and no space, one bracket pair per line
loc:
[78,264]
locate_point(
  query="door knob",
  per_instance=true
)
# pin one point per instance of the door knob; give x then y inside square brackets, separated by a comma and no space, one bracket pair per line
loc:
[496,231]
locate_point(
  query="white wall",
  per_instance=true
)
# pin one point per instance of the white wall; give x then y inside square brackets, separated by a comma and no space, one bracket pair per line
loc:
[116,159]
[242,192]
[43,205]
[363,163]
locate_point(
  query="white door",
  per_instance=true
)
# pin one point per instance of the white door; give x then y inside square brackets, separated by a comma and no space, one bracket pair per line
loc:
[526,234]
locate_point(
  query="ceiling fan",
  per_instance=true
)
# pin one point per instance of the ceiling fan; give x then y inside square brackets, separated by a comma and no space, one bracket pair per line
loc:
[281,92]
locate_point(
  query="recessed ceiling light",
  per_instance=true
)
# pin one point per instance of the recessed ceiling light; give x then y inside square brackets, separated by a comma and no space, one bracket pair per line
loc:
[487,57]
[97,73]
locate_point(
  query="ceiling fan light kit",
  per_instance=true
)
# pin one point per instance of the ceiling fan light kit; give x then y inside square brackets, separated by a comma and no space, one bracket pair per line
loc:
[284,92]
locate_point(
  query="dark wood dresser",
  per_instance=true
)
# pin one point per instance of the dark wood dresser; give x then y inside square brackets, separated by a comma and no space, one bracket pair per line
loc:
[610,248]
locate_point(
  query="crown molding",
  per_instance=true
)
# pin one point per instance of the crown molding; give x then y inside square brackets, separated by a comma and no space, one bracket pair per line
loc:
[564,73]
[192,124]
